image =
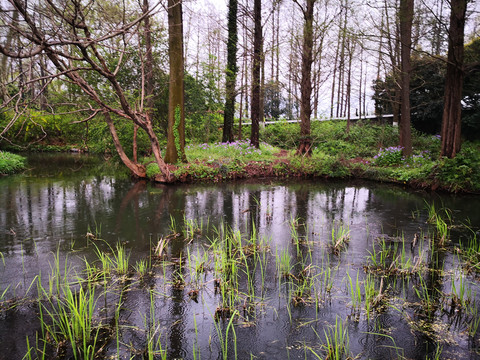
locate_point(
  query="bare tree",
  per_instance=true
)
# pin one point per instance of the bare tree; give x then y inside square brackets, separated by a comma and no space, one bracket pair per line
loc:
[75,47]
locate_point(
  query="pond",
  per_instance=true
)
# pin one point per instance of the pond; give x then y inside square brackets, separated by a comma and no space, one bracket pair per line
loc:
[262,269]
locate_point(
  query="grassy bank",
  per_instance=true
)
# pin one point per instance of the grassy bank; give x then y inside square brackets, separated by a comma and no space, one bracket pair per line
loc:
[368,151]
[11,163]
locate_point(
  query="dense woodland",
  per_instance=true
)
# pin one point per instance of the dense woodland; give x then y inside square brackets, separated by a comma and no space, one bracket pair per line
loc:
[149,74]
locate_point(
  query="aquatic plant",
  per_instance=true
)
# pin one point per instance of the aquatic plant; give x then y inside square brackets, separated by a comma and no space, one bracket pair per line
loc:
[355,292]
[70,318]
[337,342]
[284,263]
[340,238]
[142,267]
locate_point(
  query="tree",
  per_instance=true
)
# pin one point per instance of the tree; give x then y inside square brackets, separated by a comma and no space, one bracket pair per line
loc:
[176,105]
[406,19]
[256,67]
[452,108]
[305,146]
[231,73]
[78,51]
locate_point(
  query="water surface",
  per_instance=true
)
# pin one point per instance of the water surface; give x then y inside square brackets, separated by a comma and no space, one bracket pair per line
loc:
[52,210]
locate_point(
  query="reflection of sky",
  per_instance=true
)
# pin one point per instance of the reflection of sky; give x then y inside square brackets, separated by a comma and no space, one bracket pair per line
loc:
[41,214]
[50,213]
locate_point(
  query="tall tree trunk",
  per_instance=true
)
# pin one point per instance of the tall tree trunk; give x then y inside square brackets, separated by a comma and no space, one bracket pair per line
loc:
[305,146]
[176,108]
[406,19]
[334,77]
[231,74]
[257,63]
[350,48]
[452,107]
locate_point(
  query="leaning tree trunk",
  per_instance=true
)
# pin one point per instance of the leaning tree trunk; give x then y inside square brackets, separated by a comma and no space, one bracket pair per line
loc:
[305,146]
[176,108]
[452,107]
[138,170]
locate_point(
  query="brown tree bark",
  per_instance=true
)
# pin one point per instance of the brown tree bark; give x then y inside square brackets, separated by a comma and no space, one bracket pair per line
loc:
[452,108]
[305,146]
[176,107]
[256,67]
[406,20]
[231,73]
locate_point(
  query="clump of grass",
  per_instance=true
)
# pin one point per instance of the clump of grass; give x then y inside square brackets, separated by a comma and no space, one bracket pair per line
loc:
[337,342]
[142,267]
[284,265]
[70,318]
[340,238]
[11,163]
[355,292]
[440,220]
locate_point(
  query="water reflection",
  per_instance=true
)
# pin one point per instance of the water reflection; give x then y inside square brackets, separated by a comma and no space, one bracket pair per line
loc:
[42,214]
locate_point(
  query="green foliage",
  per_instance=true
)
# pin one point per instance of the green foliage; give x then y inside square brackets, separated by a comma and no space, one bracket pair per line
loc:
[331,137]
[36,126]
[282,134]
[461,172]
[152,169]
[389,157]
[11,163]
[319,164]
[239,150]
[204,127]
[426,95]
[100,139]
[198,171]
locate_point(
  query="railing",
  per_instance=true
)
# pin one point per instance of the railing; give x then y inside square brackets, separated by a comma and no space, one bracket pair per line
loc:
[353,118]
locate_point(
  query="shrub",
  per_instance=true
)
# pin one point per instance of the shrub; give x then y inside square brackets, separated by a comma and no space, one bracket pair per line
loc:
[389,157]
[461,172]
[11,163]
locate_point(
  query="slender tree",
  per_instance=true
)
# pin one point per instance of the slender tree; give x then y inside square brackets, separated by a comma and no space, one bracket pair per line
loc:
[305,146]
[452,107]
[406,20]
[176,105]
[256,68]
[231,73]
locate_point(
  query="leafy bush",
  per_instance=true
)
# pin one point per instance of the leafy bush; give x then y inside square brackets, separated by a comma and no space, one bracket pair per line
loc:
[11,163]
[239,150]
[389,157]
[36,126]
[284,135]
[100,140]
[461,172]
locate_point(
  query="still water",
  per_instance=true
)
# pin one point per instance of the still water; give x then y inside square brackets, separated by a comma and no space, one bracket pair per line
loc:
[67,208]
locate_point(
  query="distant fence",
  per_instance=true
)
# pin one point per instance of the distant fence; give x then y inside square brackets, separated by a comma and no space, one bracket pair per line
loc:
[353,118]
